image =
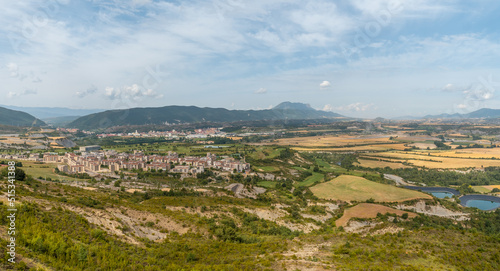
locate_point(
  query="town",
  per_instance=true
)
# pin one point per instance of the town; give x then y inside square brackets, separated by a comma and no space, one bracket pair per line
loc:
[96,162]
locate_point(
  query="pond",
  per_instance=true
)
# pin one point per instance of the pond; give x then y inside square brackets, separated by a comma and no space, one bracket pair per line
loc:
[482,202]
[484,205]
[438,192]
[442,195]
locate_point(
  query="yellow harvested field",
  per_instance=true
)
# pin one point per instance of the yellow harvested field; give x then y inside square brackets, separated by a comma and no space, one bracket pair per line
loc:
[368,210]
[470,153]
[457,135]
[17,140]
[376,147]
[56,137]
[488,188]
[416,138]
[354,188]
[132,190]
[325,141]
[381,164]
[423,145]
[432,161]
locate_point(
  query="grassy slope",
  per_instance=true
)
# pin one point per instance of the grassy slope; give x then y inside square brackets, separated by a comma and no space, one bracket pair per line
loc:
[316,177]
[349,188]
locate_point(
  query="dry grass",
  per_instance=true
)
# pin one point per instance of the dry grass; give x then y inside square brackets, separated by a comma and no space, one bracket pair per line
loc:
[368,210]
[353,188]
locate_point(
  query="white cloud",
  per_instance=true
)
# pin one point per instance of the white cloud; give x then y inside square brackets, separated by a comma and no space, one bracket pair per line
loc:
[112,93]
[325,84]
[354,107]
[12,94]
[461,106]
[151,93]
[261,91]
[13,69]
[234,42]
[328,107]
[449,87]
[84,93]
[132,92]
[478,92]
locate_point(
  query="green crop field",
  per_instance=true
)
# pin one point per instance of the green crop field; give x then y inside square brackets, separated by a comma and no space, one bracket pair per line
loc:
[316,177]
[353,188]
[42,170]
[481,189]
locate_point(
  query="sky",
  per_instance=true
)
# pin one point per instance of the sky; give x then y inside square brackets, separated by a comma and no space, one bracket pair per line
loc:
[359,58]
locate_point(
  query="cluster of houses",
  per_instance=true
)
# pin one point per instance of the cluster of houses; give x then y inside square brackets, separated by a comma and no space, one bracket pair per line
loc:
[95,161]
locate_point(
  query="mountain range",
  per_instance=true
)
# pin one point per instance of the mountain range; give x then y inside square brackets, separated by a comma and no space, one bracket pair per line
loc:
[93,119]
[483,113]
[18,118]
[192,114]
[44,113]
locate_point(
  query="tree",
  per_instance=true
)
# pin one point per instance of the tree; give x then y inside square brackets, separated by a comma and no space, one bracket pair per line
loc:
[20,174]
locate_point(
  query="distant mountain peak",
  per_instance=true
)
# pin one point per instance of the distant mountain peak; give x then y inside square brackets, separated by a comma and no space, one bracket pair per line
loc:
[293,106]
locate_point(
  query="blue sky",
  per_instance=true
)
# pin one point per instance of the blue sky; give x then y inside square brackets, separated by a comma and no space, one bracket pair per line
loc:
[362,58]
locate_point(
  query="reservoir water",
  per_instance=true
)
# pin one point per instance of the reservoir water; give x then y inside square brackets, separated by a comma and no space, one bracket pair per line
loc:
[484,205]
[482,202]
[442,195]
[438,192]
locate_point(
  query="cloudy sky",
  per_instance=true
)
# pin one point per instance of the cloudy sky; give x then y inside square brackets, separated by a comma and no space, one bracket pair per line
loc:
[363,58]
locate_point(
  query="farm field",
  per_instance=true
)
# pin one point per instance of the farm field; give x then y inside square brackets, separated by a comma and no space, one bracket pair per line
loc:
[368,210]
[326,141]
[381,164]
[486,188]
[431,161]
[316,177]
[423,145]
[470,153]
[20,141]
[354,188]
[481,189]
[374,147]
[42,170]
